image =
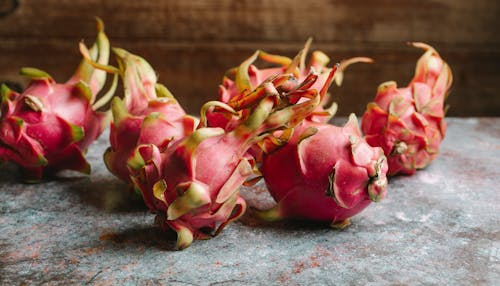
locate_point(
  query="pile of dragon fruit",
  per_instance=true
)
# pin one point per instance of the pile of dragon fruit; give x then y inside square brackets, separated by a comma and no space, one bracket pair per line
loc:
[269,123]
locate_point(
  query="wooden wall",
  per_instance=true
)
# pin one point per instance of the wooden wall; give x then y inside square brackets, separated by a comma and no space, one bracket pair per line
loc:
[192,43]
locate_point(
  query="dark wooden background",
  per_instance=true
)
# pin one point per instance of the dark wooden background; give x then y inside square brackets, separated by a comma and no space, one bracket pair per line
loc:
[192,43]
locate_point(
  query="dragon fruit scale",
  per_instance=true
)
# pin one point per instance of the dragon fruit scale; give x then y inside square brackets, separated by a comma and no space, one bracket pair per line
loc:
[247,75]
[324,173]
[148,113]
[408,123]
[49,126]
[193,185]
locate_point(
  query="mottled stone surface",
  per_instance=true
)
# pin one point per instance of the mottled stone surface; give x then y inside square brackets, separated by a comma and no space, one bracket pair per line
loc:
[438,227]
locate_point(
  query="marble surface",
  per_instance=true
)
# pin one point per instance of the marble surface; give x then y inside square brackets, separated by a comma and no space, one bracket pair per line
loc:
[438,227]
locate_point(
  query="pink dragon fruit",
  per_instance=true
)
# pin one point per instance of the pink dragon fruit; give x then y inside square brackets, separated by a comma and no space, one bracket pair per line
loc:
[47,127]
[324,173]
[408,123]
[148,113]
[193,184]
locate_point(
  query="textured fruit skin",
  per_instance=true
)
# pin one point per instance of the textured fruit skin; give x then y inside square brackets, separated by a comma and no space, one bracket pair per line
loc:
[193,184]
[148,114]
[231,90]
[408,123]
[49,126]
[249,76]
[324,173]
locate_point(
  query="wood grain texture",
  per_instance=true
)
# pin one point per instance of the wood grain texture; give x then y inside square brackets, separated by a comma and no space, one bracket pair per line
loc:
[192,43]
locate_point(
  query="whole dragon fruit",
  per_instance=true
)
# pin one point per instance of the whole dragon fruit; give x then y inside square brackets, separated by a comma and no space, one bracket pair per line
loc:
[408,123]
[148,113]
[193,185]
[324,173]
[47,127]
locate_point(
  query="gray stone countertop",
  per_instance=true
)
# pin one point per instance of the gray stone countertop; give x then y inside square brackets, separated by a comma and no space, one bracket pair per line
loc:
[438,227]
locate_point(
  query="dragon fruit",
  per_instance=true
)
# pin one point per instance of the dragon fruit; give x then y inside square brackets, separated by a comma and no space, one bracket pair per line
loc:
[324,173]
[408,123]
[148,113]
[48,127]
[281,158]
[193,185]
